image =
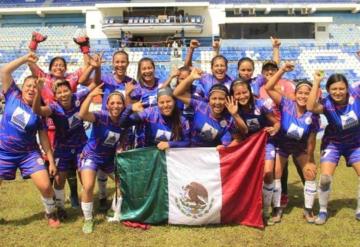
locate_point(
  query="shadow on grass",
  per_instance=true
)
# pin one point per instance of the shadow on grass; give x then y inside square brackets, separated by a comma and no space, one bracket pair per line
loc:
[336,205]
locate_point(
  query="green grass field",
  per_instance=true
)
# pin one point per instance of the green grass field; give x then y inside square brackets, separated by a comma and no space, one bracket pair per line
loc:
[24,224]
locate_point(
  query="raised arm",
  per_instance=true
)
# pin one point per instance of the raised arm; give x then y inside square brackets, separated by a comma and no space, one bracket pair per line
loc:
[193,45]
[216,48]
[174,73]
[232,107]
[43,111]
[36,38]
[181,91]
[276,49]
[94,63]
[8,68]
[312,103]
[84,112]
[45,144]
[270,85]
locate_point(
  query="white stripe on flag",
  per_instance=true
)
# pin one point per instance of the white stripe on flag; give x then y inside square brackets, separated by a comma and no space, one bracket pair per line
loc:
[194,182]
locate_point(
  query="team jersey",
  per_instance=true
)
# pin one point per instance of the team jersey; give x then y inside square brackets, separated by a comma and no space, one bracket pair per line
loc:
[207,81]
[111,85]
[294,127]
[19,124]
[104,137]
[343,120]
[147,95]
[208,131]
[158,128]
[256,83]
[70,132]
[47,92]
[255,119]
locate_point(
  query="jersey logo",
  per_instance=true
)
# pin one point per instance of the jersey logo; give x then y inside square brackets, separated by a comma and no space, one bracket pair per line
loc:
[152,99]
[162,135]
[112,138]
[349,120]
[253,124]
[73,121]
[295,132]
[20,118]
[208,132]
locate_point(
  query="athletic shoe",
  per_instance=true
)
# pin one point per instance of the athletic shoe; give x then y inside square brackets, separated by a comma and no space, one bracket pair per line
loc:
[357,216]
[276,215]
[309,216]
[53,220]
[284,201]
[321,218]
[74,200]
[62,214]
[103,205]
[88,226]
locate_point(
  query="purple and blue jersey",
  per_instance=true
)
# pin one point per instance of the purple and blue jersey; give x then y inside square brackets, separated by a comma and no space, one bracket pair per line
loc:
[70,134]
[208,131]
[294,131]
[19,124]
[104,138]
[256,119]
[256,84]
[158,128]
[18,129]
[207,81]
[111,85]
[147,95]
[342,134]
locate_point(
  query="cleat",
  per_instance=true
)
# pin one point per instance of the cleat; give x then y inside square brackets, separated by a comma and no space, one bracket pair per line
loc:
[284,201]
[103,205]
[321,218]
[309,216]
[357,216]
[112,216]
[88,226]
[74,200]
[277,215]
[62,214]
[53,220]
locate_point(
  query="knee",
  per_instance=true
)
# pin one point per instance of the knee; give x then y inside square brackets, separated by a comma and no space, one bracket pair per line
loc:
[325,182]
[268,177]
[309,172]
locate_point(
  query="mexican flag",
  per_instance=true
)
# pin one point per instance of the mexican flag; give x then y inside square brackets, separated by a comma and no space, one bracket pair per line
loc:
[194,186]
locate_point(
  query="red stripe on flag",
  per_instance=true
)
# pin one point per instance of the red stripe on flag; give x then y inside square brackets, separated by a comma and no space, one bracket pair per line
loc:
[242,170]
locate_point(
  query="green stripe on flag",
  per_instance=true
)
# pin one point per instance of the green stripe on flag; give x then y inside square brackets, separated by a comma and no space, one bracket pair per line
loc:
[144,185]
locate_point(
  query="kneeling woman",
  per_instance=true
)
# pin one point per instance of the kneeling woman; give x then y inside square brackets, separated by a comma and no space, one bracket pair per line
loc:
[297,137]
[342,135]
[164,125]
[257,115]
[18,129]
[99,152]
[212,122]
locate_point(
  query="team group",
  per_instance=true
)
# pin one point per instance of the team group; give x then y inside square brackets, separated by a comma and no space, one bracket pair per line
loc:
[201,110]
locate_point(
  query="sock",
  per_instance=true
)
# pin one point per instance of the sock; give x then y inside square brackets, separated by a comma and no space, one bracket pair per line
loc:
[72,181]
[49,204]
[117,210]
[268,191]
[59,198]
[277,193]
[324,191]
[358,198]
[309,193]
[87,208]
[102,180]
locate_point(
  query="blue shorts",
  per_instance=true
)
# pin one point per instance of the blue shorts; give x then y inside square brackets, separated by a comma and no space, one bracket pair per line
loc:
[290,147]
[331,152]
[270,150]
[68,163]
[28,163]
[88,163]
